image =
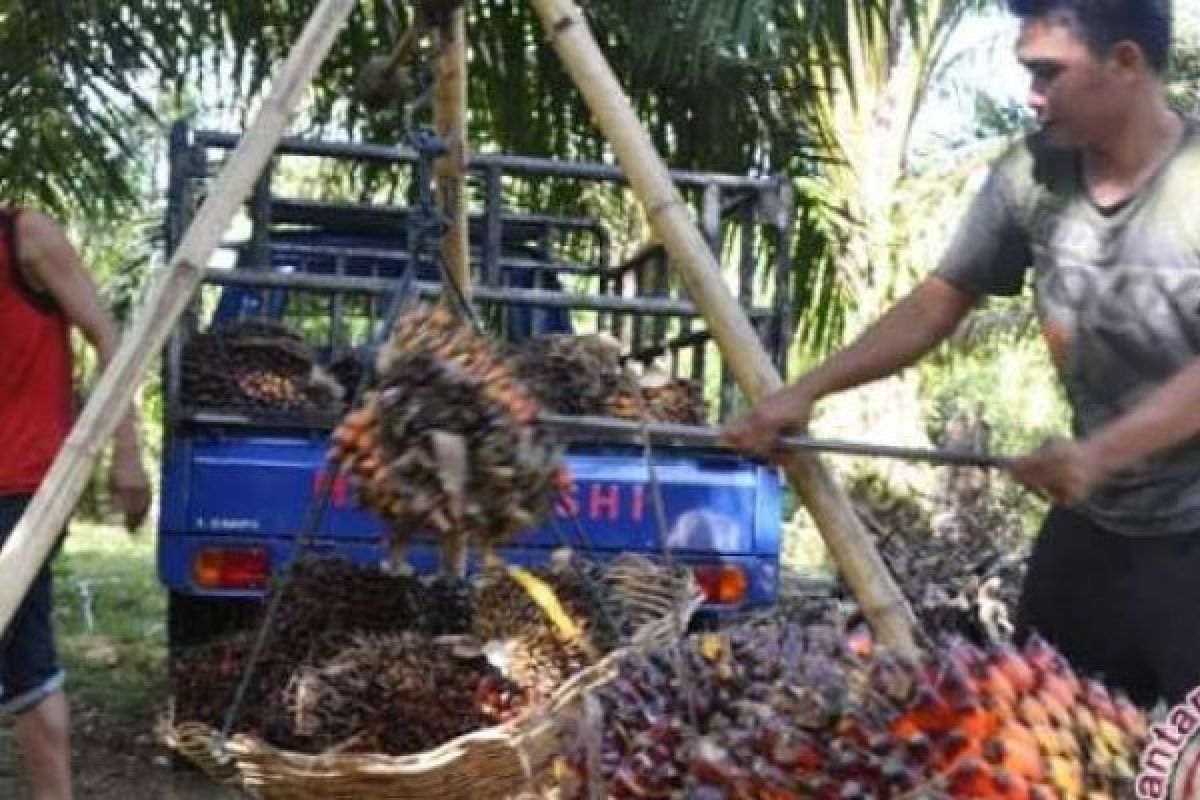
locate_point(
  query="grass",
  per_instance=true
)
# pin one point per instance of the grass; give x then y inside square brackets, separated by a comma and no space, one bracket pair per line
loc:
[119,664]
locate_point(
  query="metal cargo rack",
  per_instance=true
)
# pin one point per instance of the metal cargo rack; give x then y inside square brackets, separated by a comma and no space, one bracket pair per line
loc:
[329,267]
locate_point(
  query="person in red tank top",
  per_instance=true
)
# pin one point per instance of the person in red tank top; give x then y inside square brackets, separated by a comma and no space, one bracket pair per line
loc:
[44,292]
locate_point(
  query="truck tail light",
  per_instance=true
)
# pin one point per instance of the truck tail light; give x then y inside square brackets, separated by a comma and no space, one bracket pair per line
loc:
[231,568]
[723,584]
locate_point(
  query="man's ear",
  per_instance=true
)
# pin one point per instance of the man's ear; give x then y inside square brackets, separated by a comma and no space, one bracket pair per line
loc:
[1128,58]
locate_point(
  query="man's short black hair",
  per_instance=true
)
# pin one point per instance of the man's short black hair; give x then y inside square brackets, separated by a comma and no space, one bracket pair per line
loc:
[1104,23]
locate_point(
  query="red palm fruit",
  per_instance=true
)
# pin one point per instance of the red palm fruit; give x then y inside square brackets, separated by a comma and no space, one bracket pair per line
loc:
[1098,697]
[971,777]
[930,711]
[918,748]
[1009,786]
[1014,667]
[1065,775]
[626,784]
[1048,739]
[955,682]
[851,727]
[994,683]
[1130,717]
[974,720]
[711,766]
[1033,712]
[1042,657]
[956,747]
[1041,791]
[1059,712]
[797,751]
[775,793]
[1017,755]
[1062,688]
[906,728]
[956,654]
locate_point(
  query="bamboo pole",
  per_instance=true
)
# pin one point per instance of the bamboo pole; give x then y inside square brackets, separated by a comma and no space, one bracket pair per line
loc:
[34,536]
[875,589]
[450,120]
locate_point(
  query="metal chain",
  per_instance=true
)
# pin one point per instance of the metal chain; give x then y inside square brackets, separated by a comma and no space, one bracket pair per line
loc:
[306,535]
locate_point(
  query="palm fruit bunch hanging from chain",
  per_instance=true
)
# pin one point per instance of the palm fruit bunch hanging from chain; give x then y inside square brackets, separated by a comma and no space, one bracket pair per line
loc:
[448,440]
[779,711]
[396,694]
[256,365]
[584,375]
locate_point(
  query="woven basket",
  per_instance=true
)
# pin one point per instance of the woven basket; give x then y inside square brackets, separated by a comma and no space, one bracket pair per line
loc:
[494,762]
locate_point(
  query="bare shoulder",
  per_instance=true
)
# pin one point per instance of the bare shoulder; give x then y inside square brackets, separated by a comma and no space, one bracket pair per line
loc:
[45,255]
[37,232]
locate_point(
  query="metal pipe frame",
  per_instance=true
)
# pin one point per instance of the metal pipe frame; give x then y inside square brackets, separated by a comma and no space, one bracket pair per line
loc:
[402,256]
[650,306]
[548,167]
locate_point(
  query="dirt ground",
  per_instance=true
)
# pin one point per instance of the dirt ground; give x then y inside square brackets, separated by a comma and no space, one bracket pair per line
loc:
[114,759]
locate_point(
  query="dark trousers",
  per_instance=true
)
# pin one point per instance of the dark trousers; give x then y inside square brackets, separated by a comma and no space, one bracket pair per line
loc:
[29,670]
[1122,609]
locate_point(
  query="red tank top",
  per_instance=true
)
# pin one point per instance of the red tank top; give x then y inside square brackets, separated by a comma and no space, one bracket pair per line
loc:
[36,404]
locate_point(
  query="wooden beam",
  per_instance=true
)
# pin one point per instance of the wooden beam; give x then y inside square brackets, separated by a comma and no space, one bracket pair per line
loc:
[450,119]
[875,589]
[35,534]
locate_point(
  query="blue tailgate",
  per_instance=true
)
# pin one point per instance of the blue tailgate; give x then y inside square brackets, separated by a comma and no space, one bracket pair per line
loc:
[257,491]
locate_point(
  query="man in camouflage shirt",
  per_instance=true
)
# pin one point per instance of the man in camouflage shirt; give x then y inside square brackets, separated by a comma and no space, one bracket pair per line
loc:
[1095,210]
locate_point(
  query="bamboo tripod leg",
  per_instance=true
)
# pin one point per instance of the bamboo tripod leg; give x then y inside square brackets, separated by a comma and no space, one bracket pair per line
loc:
[32,539]
[864,570]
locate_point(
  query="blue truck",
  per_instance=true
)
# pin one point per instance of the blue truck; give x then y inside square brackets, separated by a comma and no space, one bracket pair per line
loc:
[237,487]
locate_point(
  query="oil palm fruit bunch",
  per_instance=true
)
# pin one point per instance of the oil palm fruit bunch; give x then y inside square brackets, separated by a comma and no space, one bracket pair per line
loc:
[961,568]
[204,676]
[570,374]
[395,694]
[330,595]
[503,608]
[584,375]
[778,711]
[448,440]
[536,650]
[665,399]
[255,365]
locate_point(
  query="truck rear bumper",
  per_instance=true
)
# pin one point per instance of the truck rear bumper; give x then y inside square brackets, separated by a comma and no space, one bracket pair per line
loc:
[179,557]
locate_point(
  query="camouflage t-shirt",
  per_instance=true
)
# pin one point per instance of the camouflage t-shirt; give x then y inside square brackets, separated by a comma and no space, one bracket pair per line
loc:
[1118,296]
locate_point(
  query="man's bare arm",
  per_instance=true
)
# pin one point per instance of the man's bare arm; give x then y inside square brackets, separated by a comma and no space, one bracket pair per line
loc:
[909,330]
[50,263]
[1070,470]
